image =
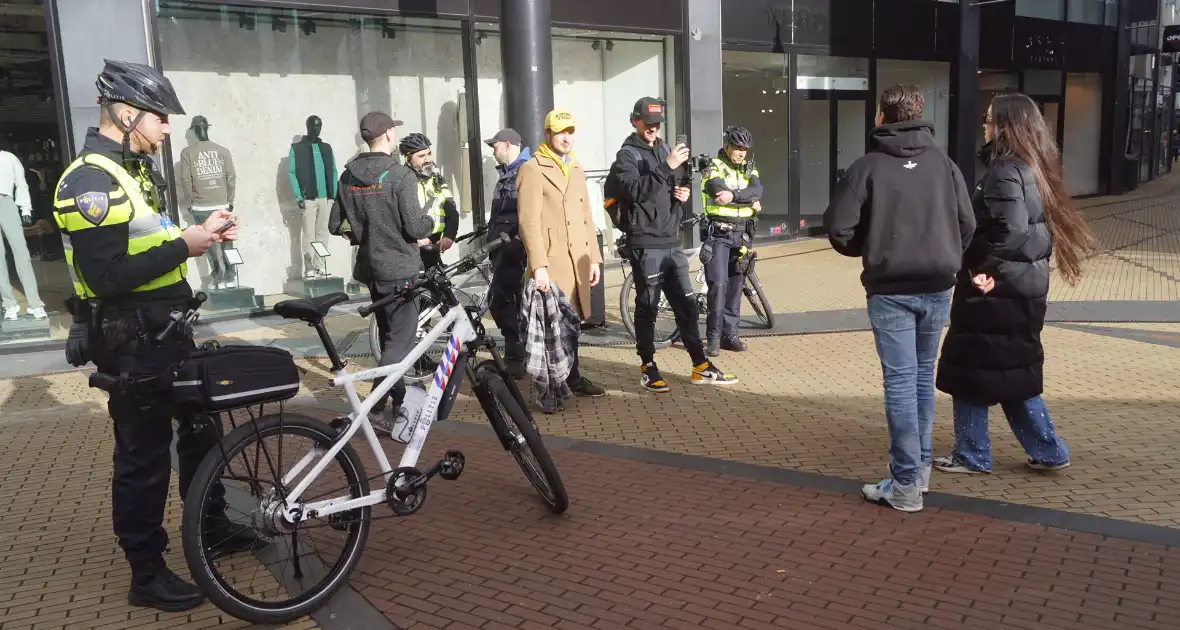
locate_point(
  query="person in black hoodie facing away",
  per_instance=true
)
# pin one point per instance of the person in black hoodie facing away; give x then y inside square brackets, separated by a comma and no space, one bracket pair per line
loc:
[650,184]
[905,210]
[377,209]
[993,353]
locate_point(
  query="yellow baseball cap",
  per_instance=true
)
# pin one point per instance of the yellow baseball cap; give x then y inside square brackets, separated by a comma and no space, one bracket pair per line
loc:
[559,120]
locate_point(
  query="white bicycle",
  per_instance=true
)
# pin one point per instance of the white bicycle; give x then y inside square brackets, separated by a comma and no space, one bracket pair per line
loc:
[472,287]
[303,487]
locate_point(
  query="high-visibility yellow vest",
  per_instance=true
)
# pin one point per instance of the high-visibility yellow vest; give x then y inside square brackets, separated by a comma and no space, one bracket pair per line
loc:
[128,204]
[431,198]
[735,180]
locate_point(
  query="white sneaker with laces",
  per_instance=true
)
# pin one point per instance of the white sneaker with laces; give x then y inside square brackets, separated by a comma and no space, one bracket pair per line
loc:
[38,313]
[10,314]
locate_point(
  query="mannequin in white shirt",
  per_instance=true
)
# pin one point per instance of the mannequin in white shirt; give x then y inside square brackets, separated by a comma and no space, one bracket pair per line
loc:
[16,211]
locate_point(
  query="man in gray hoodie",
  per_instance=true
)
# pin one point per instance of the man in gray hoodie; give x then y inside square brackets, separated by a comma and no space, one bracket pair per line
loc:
[377,209]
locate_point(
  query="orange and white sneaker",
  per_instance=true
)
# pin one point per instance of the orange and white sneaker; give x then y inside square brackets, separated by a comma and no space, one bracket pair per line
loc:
[709,374]
[651,379]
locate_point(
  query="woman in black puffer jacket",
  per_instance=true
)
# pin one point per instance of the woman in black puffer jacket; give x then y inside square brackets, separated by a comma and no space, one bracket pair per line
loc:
[992,353]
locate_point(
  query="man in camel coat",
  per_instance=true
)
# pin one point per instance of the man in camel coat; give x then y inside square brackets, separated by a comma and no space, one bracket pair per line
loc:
[557,227]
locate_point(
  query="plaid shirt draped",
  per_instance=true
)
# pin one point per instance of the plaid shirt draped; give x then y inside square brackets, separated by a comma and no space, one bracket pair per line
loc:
[552,326]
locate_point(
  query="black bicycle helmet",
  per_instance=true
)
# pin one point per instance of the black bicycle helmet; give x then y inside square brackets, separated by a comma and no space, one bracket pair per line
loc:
[737,136]
[139,86]
[413,143]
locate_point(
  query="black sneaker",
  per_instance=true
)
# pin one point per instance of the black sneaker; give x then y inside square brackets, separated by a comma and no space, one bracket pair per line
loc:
[709,374]
[582,386]
[153,585]
[713,348]
[733,343]
[651,379]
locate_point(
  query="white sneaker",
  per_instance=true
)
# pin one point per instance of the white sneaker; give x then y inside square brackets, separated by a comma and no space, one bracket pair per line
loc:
[10,314]
[310,274]
[402,429]
[38,313]
[899,497]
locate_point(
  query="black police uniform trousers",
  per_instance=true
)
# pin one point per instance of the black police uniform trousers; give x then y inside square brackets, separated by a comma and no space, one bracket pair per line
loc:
[398,328]
[509,266]
[725,285]
[666,269]
[143,437]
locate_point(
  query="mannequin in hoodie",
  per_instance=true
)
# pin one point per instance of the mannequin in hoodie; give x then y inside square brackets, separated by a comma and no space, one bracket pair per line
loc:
[207,179]
[377,209]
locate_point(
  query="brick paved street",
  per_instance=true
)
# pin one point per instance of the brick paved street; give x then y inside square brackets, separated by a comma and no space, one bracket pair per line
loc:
[711,507]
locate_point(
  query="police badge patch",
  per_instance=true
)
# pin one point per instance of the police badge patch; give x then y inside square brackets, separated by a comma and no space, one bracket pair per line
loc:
[93,206]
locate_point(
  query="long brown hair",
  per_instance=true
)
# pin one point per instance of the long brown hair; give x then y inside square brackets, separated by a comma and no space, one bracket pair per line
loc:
[1021,132]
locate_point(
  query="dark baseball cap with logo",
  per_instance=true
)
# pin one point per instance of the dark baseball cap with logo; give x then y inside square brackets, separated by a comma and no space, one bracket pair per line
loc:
[376,123]
[507,134]
[649,109]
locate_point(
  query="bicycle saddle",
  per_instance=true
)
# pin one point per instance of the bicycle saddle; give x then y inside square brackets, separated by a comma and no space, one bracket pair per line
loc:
[310,310]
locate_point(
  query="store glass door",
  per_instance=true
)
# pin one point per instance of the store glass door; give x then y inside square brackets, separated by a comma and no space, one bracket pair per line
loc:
[833,128]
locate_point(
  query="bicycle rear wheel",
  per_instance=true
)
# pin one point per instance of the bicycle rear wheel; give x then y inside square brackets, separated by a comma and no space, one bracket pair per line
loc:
[519,436]
[666,330]
[294,574]
[752,289]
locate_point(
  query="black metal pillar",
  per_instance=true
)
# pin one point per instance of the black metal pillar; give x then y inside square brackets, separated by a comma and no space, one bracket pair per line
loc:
[967,91]
[526,53]
[1114,145]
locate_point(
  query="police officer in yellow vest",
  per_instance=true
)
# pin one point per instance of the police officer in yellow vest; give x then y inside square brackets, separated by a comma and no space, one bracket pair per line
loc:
[731,193]
[434,195]
[128,264]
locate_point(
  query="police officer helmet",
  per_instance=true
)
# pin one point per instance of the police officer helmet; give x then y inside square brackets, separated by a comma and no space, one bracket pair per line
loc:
[142,87]
[413,143]
[739,137]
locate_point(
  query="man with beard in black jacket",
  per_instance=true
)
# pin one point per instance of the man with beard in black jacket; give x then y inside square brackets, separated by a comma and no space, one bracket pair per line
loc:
[905,210]
[650,184]
[377,209]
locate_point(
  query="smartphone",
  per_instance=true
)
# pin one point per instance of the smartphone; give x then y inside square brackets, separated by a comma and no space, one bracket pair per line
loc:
[681,139]
[226,226]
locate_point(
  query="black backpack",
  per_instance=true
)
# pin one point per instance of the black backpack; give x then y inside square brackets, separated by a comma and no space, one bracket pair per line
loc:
[618,209]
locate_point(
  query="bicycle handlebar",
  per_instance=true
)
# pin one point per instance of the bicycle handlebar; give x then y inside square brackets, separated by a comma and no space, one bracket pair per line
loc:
[431,277]
[185,318]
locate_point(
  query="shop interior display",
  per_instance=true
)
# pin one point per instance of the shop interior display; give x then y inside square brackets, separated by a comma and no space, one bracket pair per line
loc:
[207,181]
[16,215]
[312,170]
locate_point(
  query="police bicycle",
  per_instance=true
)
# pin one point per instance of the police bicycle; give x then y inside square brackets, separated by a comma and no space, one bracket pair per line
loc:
[666,329]
[300,483]
[472,286]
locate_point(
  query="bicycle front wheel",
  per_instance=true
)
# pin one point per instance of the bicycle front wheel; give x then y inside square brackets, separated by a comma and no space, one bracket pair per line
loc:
[239,485]
[520,437]
[752,289]
[666,330]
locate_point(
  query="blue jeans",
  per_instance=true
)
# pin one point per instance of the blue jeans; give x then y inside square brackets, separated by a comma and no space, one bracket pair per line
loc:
[907,329]
[1030,424]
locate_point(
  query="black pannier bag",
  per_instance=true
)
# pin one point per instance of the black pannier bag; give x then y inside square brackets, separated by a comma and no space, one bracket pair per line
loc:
[236,376]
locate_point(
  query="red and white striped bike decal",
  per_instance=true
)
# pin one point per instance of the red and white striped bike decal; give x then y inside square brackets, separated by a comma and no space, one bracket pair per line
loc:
[442,375]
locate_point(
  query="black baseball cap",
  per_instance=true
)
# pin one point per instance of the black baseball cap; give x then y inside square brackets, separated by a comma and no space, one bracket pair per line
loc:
[649,109]
[376,123]
[507,134]
[199,121]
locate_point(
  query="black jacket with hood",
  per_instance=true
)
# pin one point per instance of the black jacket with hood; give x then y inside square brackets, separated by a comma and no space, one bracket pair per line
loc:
[645,183]
[379,199]
[904,209]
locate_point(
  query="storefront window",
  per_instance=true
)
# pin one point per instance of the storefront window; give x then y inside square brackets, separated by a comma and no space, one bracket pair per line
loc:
[1089,11]
[282,92]
[1081,144]
[756,95]
[934,78]
[34,283]
[598,76]
[1044,9]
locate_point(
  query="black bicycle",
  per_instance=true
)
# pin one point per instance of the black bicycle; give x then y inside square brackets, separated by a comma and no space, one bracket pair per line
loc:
[667,331]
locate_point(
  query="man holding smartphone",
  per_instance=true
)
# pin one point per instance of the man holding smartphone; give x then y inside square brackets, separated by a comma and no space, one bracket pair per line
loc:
[650,183]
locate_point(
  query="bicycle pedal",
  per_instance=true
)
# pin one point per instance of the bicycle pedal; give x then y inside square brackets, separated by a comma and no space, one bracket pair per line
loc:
[451,465]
